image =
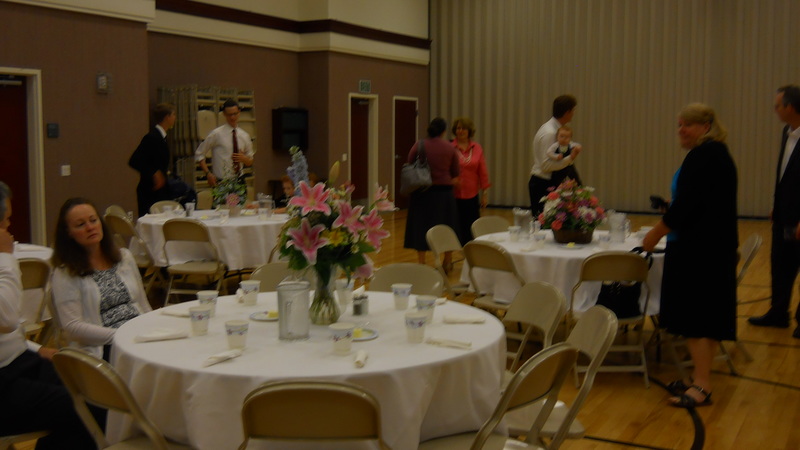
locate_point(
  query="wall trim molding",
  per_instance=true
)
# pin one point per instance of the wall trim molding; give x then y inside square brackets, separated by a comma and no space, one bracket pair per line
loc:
[299,27]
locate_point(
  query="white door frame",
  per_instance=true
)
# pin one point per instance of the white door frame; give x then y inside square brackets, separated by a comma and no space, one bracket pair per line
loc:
[394,134]
[372,143]
[33,95]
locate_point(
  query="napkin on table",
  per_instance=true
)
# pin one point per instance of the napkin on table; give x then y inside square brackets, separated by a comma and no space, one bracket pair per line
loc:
[222,356]
[176,312]
[361,358]
[452,343]
[163,334]
[359,292]
[441,301]
[464,318]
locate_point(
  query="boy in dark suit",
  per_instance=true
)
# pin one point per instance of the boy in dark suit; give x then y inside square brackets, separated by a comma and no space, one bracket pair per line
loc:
[151,160]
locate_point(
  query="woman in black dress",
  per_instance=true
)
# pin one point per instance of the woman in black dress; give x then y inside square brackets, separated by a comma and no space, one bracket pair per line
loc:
[436,204]
[698,291]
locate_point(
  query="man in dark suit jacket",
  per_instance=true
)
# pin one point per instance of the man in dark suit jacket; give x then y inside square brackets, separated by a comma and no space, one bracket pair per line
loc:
[785,257]
[151,160]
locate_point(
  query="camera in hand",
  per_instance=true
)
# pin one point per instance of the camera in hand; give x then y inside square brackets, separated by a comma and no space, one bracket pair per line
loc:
[658,202]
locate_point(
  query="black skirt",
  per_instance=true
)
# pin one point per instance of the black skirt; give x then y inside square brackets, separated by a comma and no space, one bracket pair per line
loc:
[469,210]
[698,292]
[433,206]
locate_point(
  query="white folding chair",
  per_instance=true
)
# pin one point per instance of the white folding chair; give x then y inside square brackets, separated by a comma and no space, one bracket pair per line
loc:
[158,207]
[424,280]
[537,307]
[491,256]
[36,289]
[442,239]
[488,225]
[211,269]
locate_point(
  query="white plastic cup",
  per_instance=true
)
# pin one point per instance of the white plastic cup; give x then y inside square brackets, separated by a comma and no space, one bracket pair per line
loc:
[250,289]
[415,326]
[208,298]
[344,291]
[342,335]
[263,214]
[426,304]
[236,330]
[224,214]
[539,238]
[189,209]
[513,233]
[401,292]
[604,240]
[200,315]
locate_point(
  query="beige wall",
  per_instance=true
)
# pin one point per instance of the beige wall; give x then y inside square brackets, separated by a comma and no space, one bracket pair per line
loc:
[98,131]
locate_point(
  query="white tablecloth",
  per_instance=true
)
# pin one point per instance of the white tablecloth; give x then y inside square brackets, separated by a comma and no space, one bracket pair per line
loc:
[424,391]
[32,251]
[560,266]
[242,242]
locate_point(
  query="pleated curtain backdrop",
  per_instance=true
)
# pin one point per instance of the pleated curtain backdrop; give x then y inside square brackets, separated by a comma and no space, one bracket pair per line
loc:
[632,64]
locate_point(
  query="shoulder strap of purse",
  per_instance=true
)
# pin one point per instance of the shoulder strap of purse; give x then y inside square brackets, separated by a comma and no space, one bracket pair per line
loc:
[421,151]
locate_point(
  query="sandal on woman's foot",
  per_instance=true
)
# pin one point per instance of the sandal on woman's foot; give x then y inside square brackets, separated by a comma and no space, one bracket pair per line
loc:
[677,387]
[686,401]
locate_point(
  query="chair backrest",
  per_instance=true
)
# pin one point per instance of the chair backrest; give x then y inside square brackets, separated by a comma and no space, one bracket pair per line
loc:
[489,255]
[204,199]
[747,252]
[614,266]
[537,305]
[271,274]
[540,377]
[425,280]
[311,410]
[90,379]
[488,225]
[35,276]
[157,207]
[188,230]
[127,235]
[592,335]
[441,239]
[117,211]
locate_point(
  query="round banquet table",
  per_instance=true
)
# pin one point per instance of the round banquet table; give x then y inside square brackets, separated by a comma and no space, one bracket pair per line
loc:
[242,242]
[32,251]
[424,391]
[560,265]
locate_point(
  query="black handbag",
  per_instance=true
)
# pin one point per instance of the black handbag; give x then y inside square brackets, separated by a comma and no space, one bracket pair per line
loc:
[622,297]
[416,175]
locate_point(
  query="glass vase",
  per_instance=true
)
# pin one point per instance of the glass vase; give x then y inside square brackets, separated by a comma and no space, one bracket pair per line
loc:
[324,308]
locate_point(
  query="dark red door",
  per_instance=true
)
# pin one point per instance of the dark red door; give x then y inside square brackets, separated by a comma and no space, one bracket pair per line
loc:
[14,154]
[359,148]
[405,134]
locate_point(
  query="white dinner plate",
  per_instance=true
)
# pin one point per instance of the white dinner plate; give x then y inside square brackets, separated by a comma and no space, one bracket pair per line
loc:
[367,334]
[263,317]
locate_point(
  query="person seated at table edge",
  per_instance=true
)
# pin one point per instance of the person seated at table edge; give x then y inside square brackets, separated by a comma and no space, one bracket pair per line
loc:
[96,285]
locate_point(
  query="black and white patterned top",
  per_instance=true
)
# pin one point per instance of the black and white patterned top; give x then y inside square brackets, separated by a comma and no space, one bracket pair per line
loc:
[116,305]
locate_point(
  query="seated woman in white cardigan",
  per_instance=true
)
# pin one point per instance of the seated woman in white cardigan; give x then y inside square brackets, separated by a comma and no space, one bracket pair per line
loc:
[96,285]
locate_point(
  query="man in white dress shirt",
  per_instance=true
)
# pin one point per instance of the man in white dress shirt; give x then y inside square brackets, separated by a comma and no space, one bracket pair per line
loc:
[230,146]
[33,398]
[540,181]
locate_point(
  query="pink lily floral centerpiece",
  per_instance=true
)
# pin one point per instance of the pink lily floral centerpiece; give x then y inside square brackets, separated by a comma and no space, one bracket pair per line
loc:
[326,232]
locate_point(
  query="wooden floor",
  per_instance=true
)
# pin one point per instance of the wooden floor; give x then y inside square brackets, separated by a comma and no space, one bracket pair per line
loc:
[757,409]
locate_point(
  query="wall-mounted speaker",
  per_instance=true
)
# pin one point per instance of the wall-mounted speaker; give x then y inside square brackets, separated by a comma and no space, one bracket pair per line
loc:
[289,128]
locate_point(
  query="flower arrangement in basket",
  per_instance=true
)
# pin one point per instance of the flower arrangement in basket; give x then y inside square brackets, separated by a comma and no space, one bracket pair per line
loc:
[230,192]
[571,207]
[325,232]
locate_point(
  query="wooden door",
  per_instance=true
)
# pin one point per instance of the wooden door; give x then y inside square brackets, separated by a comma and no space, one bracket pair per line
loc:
[14,154]
[359,149]
[405,134]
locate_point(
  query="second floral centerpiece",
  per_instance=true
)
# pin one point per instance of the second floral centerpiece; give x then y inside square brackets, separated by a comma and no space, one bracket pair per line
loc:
[572,211]
[326,233]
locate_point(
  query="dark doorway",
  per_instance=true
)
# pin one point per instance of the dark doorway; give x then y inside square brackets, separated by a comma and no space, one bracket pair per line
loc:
[405,134]
[359,149]
[14,154]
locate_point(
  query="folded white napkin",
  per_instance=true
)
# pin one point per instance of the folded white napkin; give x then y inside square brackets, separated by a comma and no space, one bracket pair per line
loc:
[452,343]
[222,356]
[176,312]
[361,358]
[441,300]
[239,296]
[360,291]
[464,318]
[163,334]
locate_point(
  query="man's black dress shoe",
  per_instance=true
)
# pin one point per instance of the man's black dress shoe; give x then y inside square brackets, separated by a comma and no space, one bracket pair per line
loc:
[770,320]
[796,333]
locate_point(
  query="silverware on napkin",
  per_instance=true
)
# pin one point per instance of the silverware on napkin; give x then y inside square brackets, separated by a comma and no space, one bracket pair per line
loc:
[451,343]
[463,318]
[161,335]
